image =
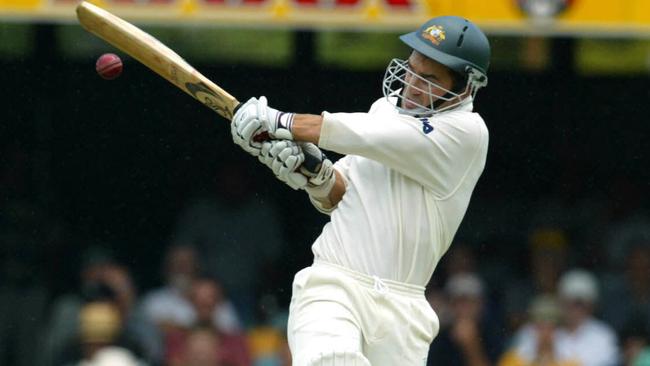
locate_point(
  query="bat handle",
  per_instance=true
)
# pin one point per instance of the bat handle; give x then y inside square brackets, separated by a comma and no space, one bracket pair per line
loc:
[311,165]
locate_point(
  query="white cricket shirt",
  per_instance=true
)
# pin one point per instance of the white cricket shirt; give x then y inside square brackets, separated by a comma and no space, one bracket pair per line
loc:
[408,185]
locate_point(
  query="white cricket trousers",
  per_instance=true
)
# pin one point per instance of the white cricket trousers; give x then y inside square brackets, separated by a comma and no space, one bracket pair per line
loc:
[336,310]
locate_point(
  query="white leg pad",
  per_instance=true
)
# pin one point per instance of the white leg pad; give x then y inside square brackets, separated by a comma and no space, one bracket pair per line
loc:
[340,358]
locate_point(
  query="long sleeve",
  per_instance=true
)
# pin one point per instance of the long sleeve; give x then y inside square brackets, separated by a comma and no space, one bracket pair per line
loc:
[437,152]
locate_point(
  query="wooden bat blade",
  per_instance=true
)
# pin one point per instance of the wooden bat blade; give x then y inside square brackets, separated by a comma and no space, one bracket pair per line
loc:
[156,56]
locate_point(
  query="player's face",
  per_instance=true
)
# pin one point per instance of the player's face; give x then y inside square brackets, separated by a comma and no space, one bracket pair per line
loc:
[416,89]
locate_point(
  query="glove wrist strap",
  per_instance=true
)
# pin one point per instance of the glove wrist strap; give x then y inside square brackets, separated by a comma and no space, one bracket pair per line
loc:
[284,125]
[285,120]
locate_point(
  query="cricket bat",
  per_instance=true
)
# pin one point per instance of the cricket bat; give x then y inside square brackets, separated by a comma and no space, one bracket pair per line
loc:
[156,56]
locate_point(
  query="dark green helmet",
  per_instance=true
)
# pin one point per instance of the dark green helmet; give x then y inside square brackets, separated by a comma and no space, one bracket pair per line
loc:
[454,42]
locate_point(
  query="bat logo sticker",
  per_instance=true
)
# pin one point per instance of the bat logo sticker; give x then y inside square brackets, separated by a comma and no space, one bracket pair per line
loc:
[214,101]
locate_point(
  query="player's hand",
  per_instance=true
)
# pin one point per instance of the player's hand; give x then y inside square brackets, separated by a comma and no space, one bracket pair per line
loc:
[319,169]
[284,158]
[245,125]
[255,117]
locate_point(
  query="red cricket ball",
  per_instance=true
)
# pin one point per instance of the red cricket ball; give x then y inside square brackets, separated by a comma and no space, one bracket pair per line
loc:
[109,66]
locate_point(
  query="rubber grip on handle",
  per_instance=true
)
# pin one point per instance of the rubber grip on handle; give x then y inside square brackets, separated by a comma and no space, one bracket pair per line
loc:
[311,165]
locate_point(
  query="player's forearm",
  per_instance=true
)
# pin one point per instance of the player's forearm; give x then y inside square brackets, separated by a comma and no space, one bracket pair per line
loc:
[306,127]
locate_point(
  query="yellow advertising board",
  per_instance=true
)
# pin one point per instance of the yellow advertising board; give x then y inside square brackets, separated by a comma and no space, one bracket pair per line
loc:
[496,16]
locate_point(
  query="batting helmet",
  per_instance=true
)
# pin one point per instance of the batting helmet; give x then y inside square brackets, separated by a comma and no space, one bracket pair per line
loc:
[454,42]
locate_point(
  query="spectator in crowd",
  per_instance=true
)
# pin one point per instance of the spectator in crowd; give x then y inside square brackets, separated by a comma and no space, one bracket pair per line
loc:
[101,328]
[536,343]
[64,312]
[113,356]
[635,343]
[548,250]
[170,305]
[205,296]
[587,339]
[218,224]
[629,295]
[267,339]
[460,259]
[202,348]
[101,278]
[470,337]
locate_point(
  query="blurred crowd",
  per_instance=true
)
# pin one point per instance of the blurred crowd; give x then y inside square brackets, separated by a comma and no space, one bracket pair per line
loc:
[187,321]
[556,306]
[555,314]
[574,291]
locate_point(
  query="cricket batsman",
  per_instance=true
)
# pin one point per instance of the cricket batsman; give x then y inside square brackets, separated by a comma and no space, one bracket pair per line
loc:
[395,199]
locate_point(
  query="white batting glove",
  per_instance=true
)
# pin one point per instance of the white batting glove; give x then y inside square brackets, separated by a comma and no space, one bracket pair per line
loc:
[320,171]
[284,158]
[245,125]
[256,117]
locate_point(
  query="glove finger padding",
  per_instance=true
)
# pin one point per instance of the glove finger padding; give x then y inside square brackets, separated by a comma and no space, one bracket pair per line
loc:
[263,108]
[265,156]
[288,158]
[262,114]
[282,168]
[246,132]
[287,150]
[247,129]
[284,158]
[245,125]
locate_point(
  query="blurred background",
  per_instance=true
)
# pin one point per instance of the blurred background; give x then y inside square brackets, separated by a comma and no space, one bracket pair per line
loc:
[132,231]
